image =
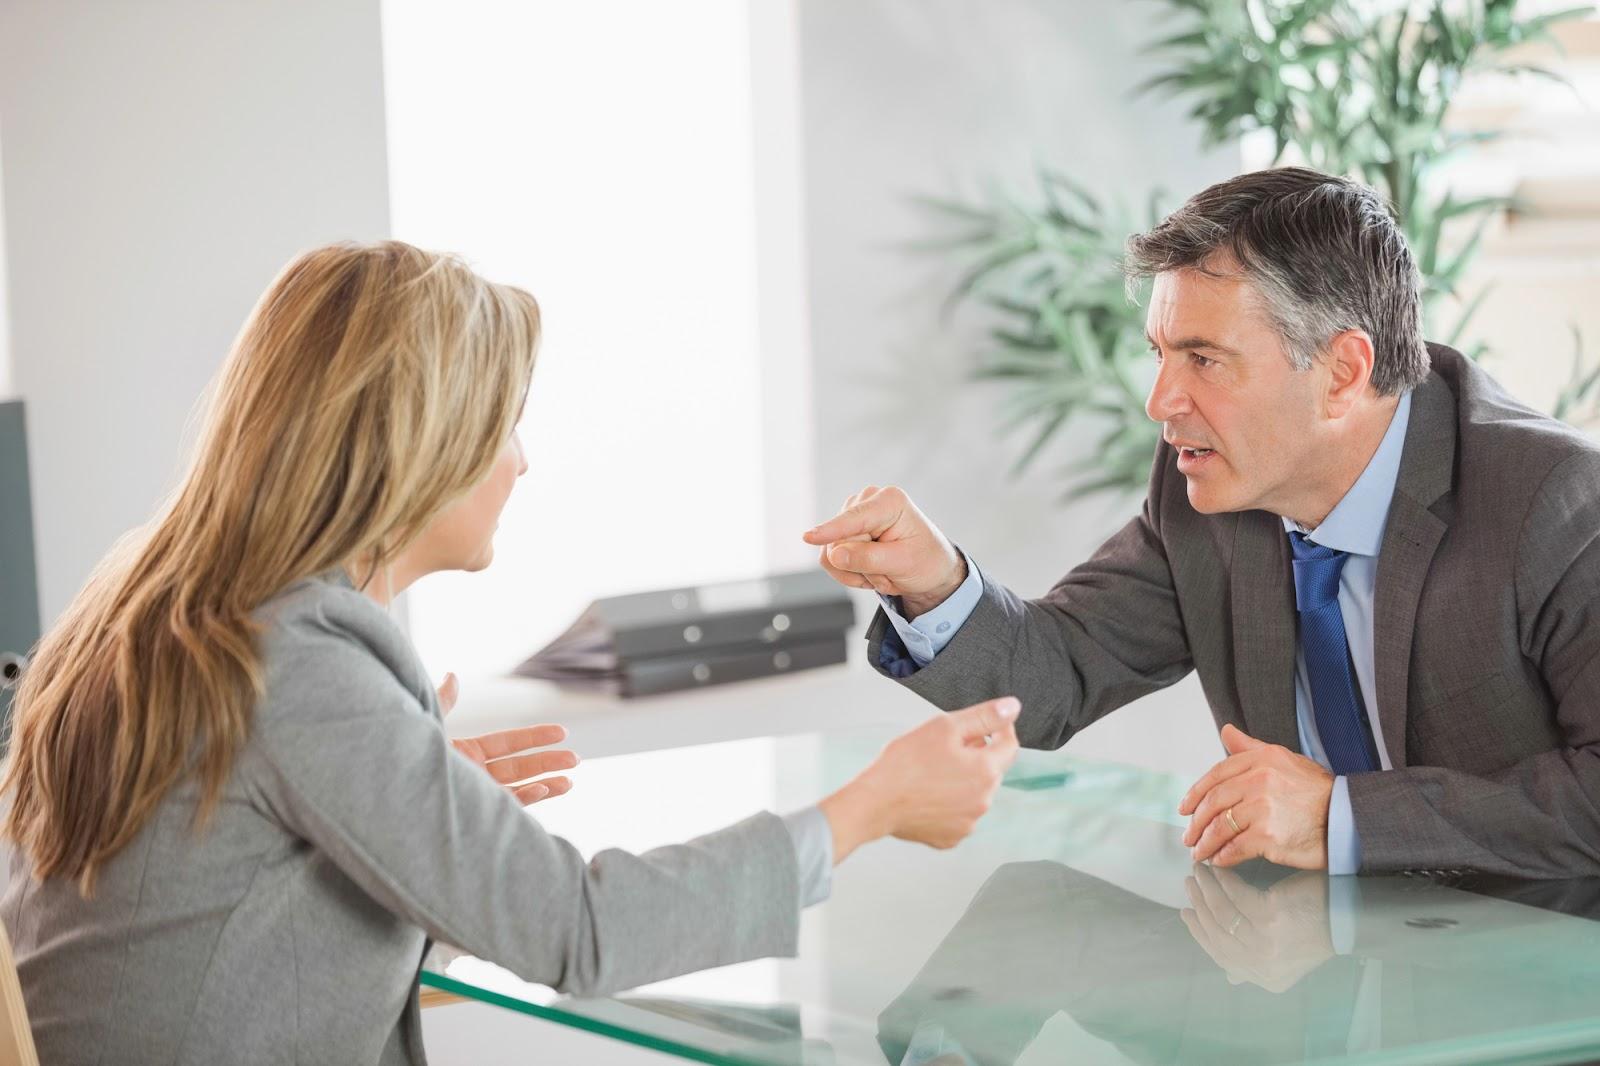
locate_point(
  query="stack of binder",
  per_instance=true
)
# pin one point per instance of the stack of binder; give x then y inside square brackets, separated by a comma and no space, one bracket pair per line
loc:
[650,642]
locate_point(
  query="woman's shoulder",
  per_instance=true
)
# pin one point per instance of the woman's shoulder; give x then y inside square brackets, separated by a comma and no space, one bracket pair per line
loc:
[322,638]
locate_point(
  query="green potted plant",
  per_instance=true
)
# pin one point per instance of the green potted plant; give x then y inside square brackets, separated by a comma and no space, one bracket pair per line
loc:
[1339,85]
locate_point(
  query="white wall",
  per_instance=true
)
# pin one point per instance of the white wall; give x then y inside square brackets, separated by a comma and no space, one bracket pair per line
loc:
[161,162]
[933,96]
[5,316]
[601,156]
[783,295]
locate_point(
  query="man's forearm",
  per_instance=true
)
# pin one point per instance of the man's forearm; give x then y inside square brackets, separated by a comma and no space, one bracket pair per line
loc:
[1537,818]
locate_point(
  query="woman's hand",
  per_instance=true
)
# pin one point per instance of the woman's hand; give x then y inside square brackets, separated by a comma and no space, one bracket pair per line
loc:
[504,756]
[930,785]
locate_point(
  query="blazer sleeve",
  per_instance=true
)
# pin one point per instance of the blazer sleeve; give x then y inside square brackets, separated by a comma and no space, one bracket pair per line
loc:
[1106,634]
[1539,817]
[349,760]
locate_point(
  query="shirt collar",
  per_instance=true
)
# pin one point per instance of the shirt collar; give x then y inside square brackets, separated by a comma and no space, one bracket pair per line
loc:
[1356,524]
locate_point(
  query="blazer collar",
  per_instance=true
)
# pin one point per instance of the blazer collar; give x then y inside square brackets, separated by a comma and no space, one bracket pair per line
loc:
[1427,466]
[1415,529]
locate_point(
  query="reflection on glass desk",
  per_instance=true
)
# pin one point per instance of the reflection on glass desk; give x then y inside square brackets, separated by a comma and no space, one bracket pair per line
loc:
[1072,927]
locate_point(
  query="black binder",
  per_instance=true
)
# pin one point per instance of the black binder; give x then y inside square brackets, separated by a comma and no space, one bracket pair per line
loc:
[671,673]
[680,638]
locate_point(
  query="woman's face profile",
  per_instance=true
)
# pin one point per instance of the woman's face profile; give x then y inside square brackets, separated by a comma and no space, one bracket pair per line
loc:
[462,536]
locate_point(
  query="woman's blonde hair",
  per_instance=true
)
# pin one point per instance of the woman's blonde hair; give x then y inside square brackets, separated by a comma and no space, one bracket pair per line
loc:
[370,387]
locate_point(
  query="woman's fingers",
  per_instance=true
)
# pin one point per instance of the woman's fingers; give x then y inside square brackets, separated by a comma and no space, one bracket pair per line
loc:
[557,786]
[549,788]
[448,692]
[523,767]
[986,719]
[507,759]
[510,741]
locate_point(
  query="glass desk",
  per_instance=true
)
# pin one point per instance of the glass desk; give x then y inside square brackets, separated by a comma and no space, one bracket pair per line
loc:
[1072,927]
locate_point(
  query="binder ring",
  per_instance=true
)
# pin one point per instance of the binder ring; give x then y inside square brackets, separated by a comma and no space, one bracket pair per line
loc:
[11,667]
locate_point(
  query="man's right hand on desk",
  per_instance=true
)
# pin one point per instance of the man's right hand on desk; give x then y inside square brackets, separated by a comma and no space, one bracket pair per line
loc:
[880,540]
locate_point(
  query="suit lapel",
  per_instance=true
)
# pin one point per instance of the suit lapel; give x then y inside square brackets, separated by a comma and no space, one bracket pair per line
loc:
[1410,539]
[1264,630]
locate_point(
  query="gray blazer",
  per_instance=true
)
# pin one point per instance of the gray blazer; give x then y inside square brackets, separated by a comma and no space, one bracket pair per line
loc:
[350,833]
[1487,628]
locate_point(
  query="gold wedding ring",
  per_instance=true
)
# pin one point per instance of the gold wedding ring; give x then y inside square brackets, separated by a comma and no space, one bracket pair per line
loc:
[1234,824]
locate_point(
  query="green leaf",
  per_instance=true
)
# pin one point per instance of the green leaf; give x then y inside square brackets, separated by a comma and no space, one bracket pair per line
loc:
[1536,71]
[953,207]
[1187,39]
[1538,26]
[1043,437]
[1466,315]
[1353,88]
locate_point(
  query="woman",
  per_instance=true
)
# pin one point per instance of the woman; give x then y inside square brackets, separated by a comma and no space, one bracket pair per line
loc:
[234,815]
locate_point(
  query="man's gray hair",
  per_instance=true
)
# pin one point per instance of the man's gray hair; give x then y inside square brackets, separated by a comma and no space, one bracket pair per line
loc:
[1324,253]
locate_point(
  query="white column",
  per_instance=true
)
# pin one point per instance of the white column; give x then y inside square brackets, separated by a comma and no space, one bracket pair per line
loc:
[789,502]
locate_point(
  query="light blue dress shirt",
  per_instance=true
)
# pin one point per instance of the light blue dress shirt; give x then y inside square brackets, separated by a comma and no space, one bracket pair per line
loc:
[1356,526]
[813,852]
[926,635]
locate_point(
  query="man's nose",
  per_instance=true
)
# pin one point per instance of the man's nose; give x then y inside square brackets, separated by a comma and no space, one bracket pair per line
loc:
[1167,398]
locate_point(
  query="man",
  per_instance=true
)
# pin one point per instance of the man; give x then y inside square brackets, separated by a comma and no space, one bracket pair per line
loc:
[1383,567]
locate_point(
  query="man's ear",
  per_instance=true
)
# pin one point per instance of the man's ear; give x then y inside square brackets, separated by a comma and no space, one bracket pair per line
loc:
[1349,359]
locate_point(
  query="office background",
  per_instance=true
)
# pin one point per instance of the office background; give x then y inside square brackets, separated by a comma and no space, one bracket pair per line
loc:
[712,201]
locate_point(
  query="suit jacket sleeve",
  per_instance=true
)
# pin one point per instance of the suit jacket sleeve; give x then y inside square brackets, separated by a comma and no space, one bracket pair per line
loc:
[1106,634]
[352,763]
[1539,817]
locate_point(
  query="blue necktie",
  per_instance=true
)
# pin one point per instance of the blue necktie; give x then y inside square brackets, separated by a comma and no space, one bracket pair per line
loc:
[1335,699]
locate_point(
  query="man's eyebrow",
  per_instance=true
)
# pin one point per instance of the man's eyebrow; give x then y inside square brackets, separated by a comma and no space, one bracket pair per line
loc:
[1192,343]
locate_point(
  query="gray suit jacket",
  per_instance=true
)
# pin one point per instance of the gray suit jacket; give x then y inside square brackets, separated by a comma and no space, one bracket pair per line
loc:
[351,832]
[1487,631]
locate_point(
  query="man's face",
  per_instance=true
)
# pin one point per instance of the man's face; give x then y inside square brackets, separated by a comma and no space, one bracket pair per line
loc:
[1244,419]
